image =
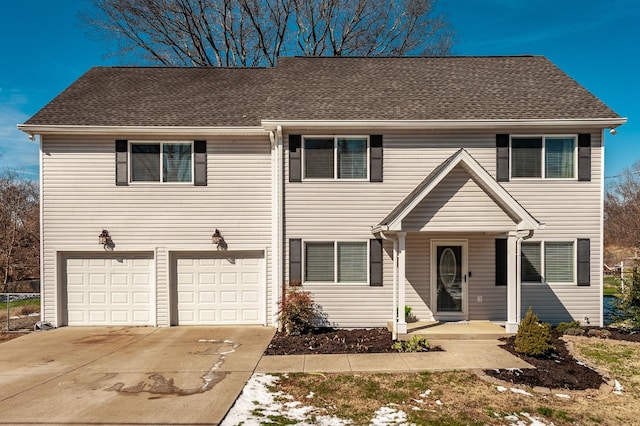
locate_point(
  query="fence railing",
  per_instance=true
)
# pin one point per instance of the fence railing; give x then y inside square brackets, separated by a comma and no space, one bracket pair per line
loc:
[19,311]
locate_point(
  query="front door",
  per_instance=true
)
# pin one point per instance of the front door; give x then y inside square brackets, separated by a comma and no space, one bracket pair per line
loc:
[449,279]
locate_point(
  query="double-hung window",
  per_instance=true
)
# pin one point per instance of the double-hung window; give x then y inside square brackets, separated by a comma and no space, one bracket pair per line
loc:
[342,157]
[161,162]
[548,261]
[549,157]
[336,262]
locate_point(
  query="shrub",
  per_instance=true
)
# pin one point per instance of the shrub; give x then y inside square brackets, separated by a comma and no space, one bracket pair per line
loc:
[564,326]
[533,337]
[415,344]
[299,314]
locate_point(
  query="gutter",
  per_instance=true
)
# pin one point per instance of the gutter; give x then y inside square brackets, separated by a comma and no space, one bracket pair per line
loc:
[488,124]
[33,129]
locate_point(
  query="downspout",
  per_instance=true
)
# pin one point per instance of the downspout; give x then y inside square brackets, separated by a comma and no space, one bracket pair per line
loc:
[41,200]
[395,308]
[276,221]
[277,191]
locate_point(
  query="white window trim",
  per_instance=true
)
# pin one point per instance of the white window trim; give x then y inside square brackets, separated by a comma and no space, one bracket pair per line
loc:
[159,182]
[543,154]
[543,280]
[335,158]
[335,263]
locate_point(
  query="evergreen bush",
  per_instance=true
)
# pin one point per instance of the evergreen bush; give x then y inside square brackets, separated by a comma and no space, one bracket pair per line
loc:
[533,337]
[564,326]
[628,304]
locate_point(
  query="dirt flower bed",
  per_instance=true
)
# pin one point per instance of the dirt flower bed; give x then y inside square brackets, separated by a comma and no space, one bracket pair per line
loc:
[334,341]
[560,371]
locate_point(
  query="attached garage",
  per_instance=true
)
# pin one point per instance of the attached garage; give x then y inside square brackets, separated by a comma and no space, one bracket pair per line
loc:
[218,288]
[108,289]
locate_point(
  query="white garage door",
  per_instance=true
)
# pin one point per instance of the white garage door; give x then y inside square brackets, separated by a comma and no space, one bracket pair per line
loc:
[220,289]
[109,289]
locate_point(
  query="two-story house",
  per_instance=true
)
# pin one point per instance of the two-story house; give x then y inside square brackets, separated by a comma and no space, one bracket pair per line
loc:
[468,188]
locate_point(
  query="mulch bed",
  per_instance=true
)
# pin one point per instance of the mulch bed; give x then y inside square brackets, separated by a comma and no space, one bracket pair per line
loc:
[560,371]
[334,341]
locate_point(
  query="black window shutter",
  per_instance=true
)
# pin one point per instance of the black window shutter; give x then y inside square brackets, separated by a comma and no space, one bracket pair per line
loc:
[122,166]
[502,158]
[375,158]
[295,260]
[295,158]
[375,263]
[584,156]
[584,262]
[200,163]
[501,261]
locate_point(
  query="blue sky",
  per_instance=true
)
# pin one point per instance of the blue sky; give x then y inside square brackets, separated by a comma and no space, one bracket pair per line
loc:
[45,48]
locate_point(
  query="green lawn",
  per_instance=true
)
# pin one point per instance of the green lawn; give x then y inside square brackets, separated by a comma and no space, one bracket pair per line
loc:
[612,286]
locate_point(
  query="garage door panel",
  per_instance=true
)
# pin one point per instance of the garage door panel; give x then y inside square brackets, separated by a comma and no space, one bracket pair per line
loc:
[109,289]
[215,291]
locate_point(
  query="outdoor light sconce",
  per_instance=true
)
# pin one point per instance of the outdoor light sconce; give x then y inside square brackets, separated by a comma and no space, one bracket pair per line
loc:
[105,239]
[218,240]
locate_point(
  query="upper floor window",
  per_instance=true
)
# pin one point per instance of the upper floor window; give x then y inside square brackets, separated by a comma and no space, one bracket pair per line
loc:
[336,157]
[162,162]
[551,157]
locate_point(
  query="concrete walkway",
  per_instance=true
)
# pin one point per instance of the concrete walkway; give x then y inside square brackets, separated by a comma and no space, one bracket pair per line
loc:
[456,355]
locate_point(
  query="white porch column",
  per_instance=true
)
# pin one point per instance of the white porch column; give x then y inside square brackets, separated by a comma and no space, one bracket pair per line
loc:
[402,321]
[394,331]
[513,285]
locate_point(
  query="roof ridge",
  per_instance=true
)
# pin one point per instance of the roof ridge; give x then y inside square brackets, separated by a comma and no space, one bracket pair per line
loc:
[524,55]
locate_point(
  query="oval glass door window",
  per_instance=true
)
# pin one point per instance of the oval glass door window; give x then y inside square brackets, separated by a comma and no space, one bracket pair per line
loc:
[448,267]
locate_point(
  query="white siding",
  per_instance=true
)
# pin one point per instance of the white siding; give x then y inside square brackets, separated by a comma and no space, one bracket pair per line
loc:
[80,199]
[457,200]
[348,210]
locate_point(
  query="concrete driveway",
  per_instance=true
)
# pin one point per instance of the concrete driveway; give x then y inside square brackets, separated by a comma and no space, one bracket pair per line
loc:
[127,375]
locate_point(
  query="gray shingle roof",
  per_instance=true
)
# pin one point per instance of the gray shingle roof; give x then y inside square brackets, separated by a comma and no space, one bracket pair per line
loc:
[407,88]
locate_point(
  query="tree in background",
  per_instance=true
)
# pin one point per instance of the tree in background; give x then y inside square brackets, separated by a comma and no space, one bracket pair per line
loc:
[255,32]
[19,229]
[628,303]
[622,210]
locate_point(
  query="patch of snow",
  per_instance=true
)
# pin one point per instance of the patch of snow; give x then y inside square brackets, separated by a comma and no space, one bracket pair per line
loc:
[563,395]
[425,394]
[389,416]
[581,363]
[520,391]
[617,387]
[438,402]
[311,395]
[257,402]
[530,420]
[534,420]
[501,388]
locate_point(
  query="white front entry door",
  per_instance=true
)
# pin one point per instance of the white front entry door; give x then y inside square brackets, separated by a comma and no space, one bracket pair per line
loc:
[449,279]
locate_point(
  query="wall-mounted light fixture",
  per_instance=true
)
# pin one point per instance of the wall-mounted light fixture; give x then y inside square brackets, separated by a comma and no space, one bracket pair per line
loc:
[105,239]
[218,240]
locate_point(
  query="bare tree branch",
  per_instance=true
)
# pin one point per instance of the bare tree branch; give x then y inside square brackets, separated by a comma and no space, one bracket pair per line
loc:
[256,32]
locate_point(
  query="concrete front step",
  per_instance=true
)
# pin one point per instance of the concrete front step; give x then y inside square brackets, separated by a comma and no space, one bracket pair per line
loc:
[464,330]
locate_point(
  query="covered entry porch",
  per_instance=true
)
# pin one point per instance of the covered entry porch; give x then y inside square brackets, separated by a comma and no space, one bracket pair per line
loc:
[455,241]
